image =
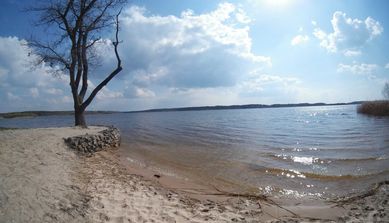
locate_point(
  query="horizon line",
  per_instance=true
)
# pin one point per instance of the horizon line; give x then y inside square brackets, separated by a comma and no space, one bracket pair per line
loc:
[205,107]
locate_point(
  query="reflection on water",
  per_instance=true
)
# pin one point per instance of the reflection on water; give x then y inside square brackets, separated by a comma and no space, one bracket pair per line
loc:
[321,151]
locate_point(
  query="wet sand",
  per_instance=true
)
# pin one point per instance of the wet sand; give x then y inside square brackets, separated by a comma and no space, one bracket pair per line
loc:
[41,180]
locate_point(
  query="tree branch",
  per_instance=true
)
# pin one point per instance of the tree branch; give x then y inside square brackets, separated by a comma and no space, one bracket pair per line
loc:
[64,19]
[93,42]
[93,24]
[51,54]
[113,73]
[85,69]
[79,50]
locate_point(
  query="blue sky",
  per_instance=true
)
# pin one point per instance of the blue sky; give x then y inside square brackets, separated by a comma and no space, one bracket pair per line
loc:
[194,53]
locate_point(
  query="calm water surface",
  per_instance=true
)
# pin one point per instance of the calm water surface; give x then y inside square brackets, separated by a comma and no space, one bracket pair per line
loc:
[320,151]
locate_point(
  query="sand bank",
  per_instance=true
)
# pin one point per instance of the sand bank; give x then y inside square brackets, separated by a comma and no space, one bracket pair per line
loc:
[42,180]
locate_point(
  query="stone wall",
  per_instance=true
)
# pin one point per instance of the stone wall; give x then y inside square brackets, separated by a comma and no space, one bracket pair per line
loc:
[93,143]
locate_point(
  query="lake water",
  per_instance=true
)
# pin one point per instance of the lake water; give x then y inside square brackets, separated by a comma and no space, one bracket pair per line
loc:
[319,151]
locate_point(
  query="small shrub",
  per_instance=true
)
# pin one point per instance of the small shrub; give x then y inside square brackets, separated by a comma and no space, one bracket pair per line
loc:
[378,108]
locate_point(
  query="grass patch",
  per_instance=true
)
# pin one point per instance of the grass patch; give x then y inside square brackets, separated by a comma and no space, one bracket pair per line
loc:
[3,128]
[18,114]
[377,108]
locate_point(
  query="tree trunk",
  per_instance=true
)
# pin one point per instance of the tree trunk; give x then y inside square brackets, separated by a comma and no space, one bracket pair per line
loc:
[79,118]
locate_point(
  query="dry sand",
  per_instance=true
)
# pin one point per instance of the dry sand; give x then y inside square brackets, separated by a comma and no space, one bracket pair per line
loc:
[38,176]
[41,180]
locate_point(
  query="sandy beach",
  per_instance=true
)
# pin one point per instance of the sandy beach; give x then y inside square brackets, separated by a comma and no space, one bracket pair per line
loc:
[42,180]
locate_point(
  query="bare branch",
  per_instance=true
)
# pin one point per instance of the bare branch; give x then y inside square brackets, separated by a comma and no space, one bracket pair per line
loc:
[96,21]
[49,53]
[93,42]
[113,73]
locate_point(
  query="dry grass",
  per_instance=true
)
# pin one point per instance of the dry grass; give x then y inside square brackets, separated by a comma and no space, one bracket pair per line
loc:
[378,108]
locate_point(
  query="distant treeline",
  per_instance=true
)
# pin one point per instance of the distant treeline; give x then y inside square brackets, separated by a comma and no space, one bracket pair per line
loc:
[218,107]
[46,113]
[249,106]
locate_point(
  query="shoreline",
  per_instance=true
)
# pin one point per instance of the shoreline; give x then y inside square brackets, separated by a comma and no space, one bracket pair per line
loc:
[305,209]
[172,173]
[44,181]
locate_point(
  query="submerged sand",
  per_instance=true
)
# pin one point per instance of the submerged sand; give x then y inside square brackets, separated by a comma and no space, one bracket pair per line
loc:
[41,180]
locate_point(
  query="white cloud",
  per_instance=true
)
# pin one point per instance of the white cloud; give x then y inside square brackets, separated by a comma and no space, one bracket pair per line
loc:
[190,51]
[242,17]
[259,81]
[271,88]
[58,101]
[24,82]
[360,69]
[268,79]
[34,92]
[348,34]
[138,92]
[12,97]
[374,27]
[314,23]
[106,93]
[299,39]
[54,91]
[196,53]
[352,53]
[387,66]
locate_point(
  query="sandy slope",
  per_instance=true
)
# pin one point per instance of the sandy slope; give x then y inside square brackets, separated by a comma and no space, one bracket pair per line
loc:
[41,180]
[37,176]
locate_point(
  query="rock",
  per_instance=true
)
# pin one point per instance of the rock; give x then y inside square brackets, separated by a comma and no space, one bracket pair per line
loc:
[92,143]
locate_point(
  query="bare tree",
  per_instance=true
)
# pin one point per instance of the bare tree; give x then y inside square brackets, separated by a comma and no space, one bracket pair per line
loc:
[77,25]
[385,91]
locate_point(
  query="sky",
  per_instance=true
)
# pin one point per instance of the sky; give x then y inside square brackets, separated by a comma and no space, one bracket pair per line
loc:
[199,52]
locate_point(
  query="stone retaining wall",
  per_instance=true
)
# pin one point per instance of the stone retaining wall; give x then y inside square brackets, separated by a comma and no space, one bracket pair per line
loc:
[93,143]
